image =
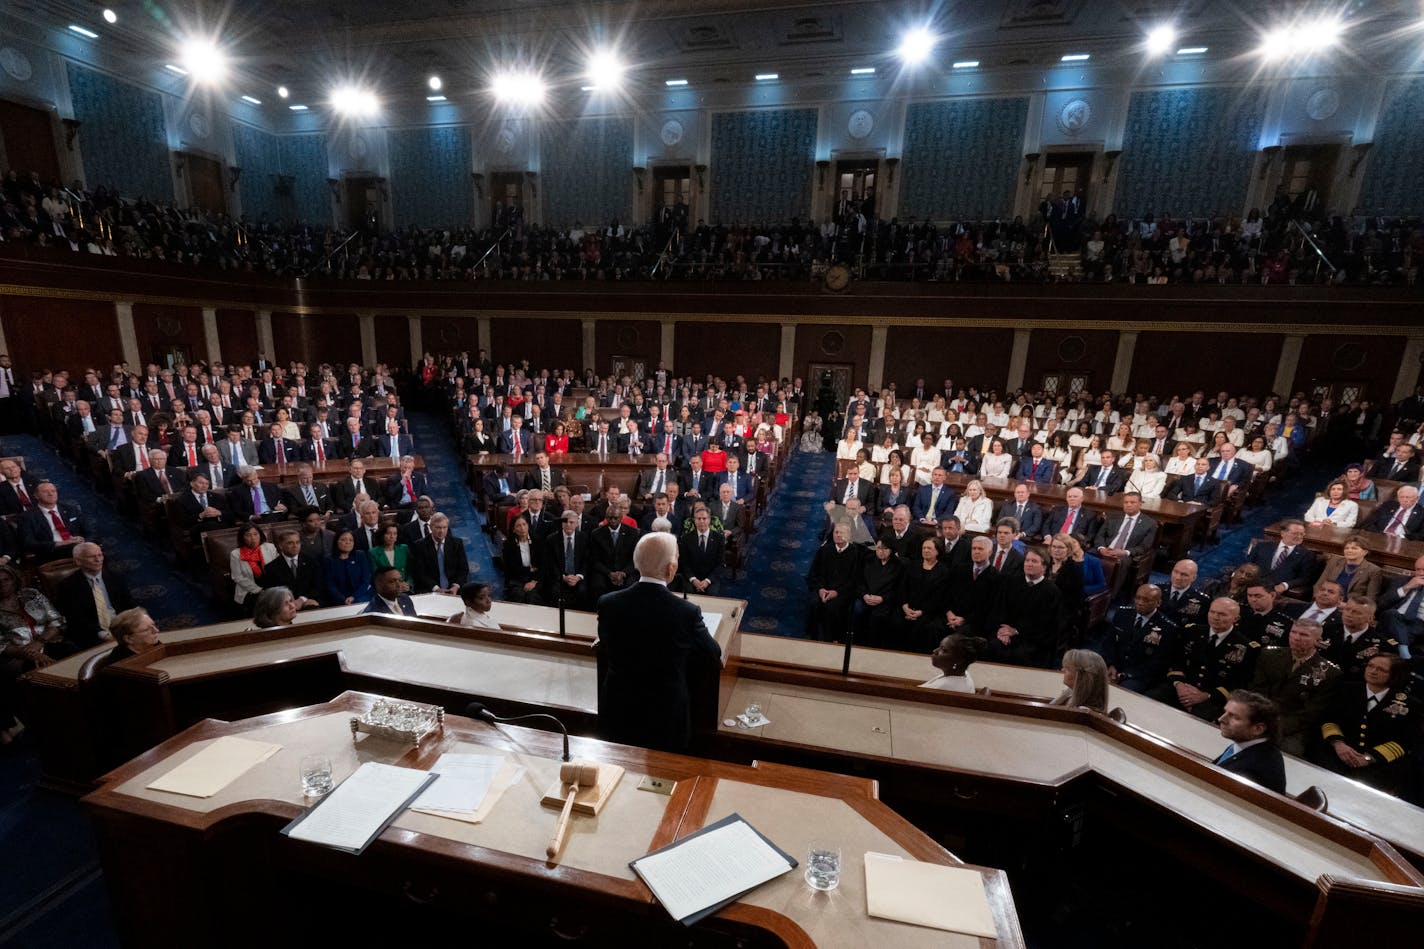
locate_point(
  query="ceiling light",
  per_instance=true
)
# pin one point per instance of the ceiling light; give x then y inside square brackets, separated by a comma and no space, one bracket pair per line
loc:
[518,88]
[1301,38]
[916,45]
[1191,50]
[1076,58]
[354,101]
[252,100]
[203,60]
[675,82]
[767,76]
[1321,34]
[966,64]
[434,83]
[605,70]
[88,34]
[435,98]
[589,88]
[297,108]
[863,71]
[282,92]
[110,16]
[178,69]
[1160,40]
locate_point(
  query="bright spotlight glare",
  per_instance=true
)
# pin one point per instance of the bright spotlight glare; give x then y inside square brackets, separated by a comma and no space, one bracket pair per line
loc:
[354,101]
[204,61]
[916,45]
[283,92]
[435,83]
[605,70]
[518,88]
[110,16]
[1302,39]
[1320,34]
[1160,40]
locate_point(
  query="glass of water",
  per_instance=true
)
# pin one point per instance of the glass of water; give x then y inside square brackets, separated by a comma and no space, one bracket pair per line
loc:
[823,866]
[316,775]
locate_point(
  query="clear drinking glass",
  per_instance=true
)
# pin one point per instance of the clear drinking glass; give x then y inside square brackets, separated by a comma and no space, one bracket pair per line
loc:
[823,866]
[316,775]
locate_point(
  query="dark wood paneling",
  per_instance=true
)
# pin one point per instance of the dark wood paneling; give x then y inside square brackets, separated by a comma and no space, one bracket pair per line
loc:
[969,356]
[28,134]
[726,349]
[449,334]
[826,342]
[1344,358]
[159,327]
[545,342]
[237,335]
[1179,363]
[393,340]
[626,338]
[1053,351]
[288,339]
[60,334]
[333,338]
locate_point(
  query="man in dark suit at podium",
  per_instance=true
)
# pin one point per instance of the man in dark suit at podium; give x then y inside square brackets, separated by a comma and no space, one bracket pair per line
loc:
[652,647]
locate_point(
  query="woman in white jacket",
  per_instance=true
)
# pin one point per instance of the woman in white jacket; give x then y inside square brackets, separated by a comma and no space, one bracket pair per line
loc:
[1333,508]
[975,511]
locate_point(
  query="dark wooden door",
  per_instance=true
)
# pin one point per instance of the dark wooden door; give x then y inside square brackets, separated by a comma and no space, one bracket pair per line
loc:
[506,191]
[363,203]
[28,134]
[205,184]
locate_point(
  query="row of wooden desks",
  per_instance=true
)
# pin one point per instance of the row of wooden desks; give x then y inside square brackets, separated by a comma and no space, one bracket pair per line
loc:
[591,469]
[1178,521]
[1385,550]
[333,470]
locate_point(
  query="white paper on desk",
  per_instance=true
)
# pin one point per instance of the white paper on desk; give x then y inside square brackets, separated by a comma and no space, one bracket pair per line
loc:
[463,783]
[710,868]
[360,806]
[711,621]
[928,894]
[215,767]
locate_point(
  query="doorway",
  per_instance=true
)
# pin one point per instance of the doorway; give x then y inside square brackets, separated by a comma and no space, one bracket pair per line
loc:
[672,190]
[1307,174]
[831,381]
[634,367]
[205,183]
[506,198]
[855,184]
[1066,172]
[364,203]
[28,135]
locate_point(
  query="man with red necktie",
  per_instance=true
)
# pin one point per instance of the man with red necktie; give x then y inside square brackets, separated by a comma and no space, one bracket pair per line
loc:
[46,530]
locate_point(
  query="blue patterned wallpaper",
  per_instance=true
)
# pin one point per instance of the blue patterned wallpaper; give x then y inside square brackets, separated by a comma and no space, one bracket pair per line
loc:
[961,158]
[586,170]
[122,135]
[259,155]
[1391,182]
[1189,152]
[761,166]
[304,157]
[430,176]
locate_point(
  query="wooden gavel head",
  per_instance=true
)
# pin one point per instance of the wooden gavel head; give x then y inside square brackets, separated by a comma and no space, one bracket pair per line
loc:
[579,774]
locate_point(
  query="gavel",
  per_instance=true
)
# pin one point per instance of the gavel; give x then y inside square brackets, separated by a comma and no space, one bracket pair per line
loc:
[577,775]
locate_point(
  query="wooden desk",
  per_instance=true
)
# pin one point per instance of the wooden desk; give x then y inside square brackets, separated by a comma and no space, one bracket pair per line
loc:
[588,468]
[1178,521]
[335,469]
[187,871]
[1385,550]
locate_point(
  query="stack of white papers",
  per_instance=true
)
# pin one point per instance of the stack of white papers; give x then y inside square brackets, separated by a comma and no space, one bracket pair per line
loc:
[215,767]
[700,874]
[464,782]
[362,806]
[928,894]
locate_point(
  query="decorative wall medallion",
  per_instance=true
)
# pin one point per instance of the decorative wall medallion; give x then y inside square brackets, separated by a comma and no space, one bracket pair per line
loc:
[1072,348]
[671,133]
[1323,103]
[832,343]
[861,124]
[16,63]
[169,325]
[1074,116]
[628,338]
[359,147]
[1350,357]
[504,141]
[449,333]
[199,125]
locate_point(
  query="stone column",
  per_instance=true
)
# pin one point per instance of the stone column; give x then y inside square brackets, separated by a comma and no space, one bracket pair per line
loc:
[1408,376]
[417,342]
[1290,361]
[1122,365]
[482,333]
[589,347]
[786,368]
[669,338]
[210,334]
[368,338]
[1018,360]
[265,344]
[128,336]
[876,375]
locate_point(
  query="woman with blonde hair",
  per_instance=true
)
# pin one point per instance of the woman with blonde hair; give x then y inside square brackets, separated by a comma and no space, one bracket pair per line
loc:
[975,510]
[1085,677]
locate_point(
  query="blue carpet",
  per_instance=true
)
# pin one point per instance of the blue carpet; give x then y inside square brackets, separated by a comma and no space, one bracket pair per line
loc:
[171,598]
[445,468]
[779,555]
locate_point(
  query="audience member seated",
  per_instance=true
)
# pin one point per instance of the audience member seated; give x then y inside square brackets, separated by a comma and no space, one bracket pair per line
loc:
[1372,726]
[1401,516]
[274,607]
[700,555]
[566,564]
[1286,564]
[953,657]
[1029,614]
[79,597]
[389,594]
[1214,660]
[478,603]
[1252,725]
[295,571]
[135,633]
[347,571]
[1140,644]
[247,563]
[390,552]
[1300,681]
[1352,571]
[835,571]
[1085,680]
[1333,508]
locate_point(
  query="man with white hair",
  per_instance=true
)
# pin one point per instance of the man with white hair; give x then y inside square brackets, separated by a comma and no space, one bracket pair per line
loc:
[654,649]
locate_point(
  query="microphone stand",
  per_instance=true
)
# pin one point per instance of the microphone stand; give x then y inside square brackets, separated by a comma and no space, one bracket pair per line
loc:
[478,710]
[563,631]
[845,659]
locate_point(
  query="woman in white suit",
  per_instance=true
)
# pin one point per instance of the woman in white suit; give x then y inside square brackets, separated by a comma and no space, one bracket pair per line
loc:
[1333,508]
[1149,479]
[975,511]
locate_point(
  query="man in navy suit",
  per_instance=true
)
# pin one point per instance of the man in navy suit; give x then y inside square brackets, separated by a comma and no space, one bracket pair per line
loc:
[514,436]
[1200,487]
[1288,563]
[934,500]
[1401,516]
[693,444]
[388,597]
[1034,467]
[1070,517]
[1105,476]
[1231,471]
[275,449]
[1023,510]
[48,529]
[396,445]
[740,481]
[253,499]
[669,442]
[317,449]
[1252,723]
[405,488]
[438,563]
[653,650]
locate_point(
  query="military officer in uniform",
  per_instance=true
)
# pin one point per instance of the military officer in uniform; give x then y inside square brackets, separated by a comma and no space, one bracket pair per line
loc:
[1180,603]
[1301,681]
[1214,660]
[1262,620]
[1369,729]
[1356,640]
[1141,643]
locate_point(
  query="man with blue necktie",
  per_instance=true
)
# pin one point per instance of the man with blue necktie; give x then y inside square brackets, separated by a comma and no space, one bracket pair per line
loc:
[438,563]
[1198,488]
[1252,724]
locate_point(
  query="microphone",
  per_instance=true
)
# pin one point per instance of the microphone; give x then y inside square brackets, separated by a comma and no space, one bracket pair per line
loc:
[845,659]
[478,710]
